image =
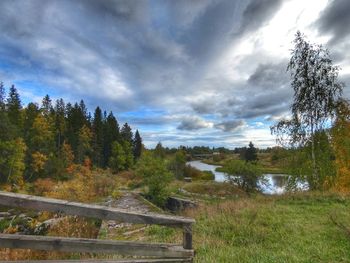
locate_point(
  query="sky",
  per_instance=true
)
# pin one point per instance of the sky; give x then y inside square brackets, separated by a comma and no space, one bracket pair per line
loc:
[209,72]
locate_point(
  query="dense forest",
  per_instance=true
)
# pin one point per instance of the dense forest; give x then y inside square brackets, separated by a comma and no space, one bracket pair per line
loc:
[44,140]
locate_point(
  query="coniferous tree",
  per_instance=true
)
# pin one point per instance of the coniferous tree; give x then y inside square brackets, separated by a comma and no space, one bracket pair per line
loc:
[159,151]
[60,122]
[83,109]
[126,133]
[7,129]
[30,113]
[251,153]
[97,128]
[14,107]
[2,96]
[111,134]
[75,121]
[46,106]
[137,146]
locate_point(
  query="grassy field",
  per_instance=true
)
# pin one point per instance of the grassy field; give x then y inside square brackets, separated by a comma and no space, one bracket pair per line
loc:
[308,227]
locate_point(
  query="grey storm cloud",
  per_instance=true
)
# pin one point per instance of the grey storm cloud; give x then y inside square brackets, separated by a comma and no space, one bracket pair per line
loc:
[165,55]
[335,20]
[257,12]
[266,92]
[193,123]
[229,126]
[132,52]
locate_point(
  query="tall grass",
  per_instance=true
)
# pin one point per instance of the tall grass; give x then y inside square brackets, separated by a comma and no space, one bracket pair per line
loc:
[293,228]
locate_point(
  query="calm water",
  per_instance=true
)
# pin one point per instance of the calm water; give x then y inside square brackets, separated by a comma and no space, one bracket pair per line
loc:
[274,183]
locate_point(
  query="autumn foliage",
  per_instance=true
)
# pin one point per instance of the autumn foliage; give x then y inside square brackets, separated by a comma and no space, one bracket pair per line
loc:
[341,144]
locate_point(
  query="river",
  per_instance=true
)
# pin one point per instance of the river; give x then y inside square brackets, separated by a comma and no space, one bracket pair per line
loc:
[273,183]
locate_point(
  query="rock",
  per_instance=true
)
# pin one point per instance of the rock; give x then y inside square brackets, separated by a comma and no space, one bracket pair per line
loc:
[176,204]
[188,179]
[42,228]
[22,216]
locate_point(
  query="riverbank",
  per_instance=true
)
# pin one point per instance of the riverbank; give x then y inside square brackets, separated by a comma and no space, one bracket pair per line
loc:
[268,183]
[303,227]
[264,163]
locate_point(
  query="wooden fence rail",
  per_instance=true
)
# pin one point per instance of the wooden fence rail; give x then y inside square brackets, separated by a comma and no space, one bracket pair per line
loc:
[37,203]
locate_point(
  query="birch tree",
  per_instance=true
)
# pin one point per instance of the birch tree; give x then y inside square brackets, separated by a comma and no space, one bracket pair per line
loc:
[317,90]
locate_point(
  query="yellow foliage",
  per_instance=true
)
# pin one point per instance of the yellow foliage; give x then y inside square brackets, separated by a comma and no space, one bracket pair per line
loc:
[341,144]
[38,161]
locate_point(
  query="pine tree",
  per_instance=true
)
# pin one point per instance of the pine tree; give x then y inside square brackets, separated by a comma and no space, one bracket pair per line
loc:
[111,134]
[97,128]
[60,122]
[7,130]
[159,151]
[30,113]
[137,145]
[2,96]
[75,121]
[251,153]
[14,108]
[46,106]
[126,133]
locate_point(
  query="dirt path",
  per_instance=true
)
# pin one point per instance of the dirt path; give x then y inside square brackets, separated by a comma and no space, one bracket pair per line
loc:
[129,201]
[111,229]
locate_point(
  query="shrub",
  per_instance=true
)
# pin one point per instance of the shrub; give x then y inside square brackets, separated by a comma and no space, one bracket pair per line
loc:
[155,177]
[196,174]
[243,174]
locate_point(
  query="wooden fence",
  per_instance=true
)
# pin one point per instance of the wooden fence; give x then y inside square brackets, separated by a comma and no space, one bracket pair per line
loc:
[160,252]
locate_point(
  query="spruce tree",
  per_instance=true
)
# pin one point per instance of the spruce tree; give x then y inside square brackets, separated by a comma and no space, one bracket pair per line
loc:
[126,133]
[251,153]
[97,129]
[46,106]
[14,108]
[137,146]
[111,134]
[2,96]
[60,122]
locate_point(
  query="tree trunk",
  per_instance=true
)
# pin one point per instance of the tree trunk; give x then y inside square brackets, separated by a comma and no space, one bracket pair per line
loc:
[313,158]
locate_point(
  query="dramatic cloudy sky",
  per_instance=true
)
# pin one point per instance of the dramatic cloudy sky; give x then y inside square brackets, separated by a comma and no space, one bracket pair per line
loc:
[209,72]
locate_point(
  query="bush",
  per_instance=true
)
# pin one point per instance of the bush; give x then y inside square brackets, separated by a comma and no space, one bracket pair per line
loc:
[243,174]
[196,174]
[155,177]
[207,175]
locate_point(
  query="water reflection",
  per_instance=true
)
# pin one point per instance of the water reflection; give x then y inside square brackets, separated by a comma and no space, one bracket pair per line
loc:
[269,183]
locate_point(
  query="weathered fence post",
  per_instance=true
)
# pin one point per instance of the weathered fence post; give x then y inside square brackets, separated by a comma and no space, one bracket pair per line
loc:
[187,236]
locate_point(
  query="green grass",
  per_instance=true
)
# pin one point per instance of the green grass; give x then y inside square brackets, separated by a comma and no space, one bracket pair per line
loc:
[293,228]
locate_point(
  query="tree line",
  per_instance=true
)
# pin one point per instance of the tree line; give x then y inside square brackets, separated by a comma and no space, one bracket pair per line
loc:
[45,140]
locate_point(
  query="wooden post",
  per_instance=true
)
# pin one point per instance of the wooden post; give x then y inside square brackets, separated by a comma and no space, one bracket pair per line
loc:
[187,236]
